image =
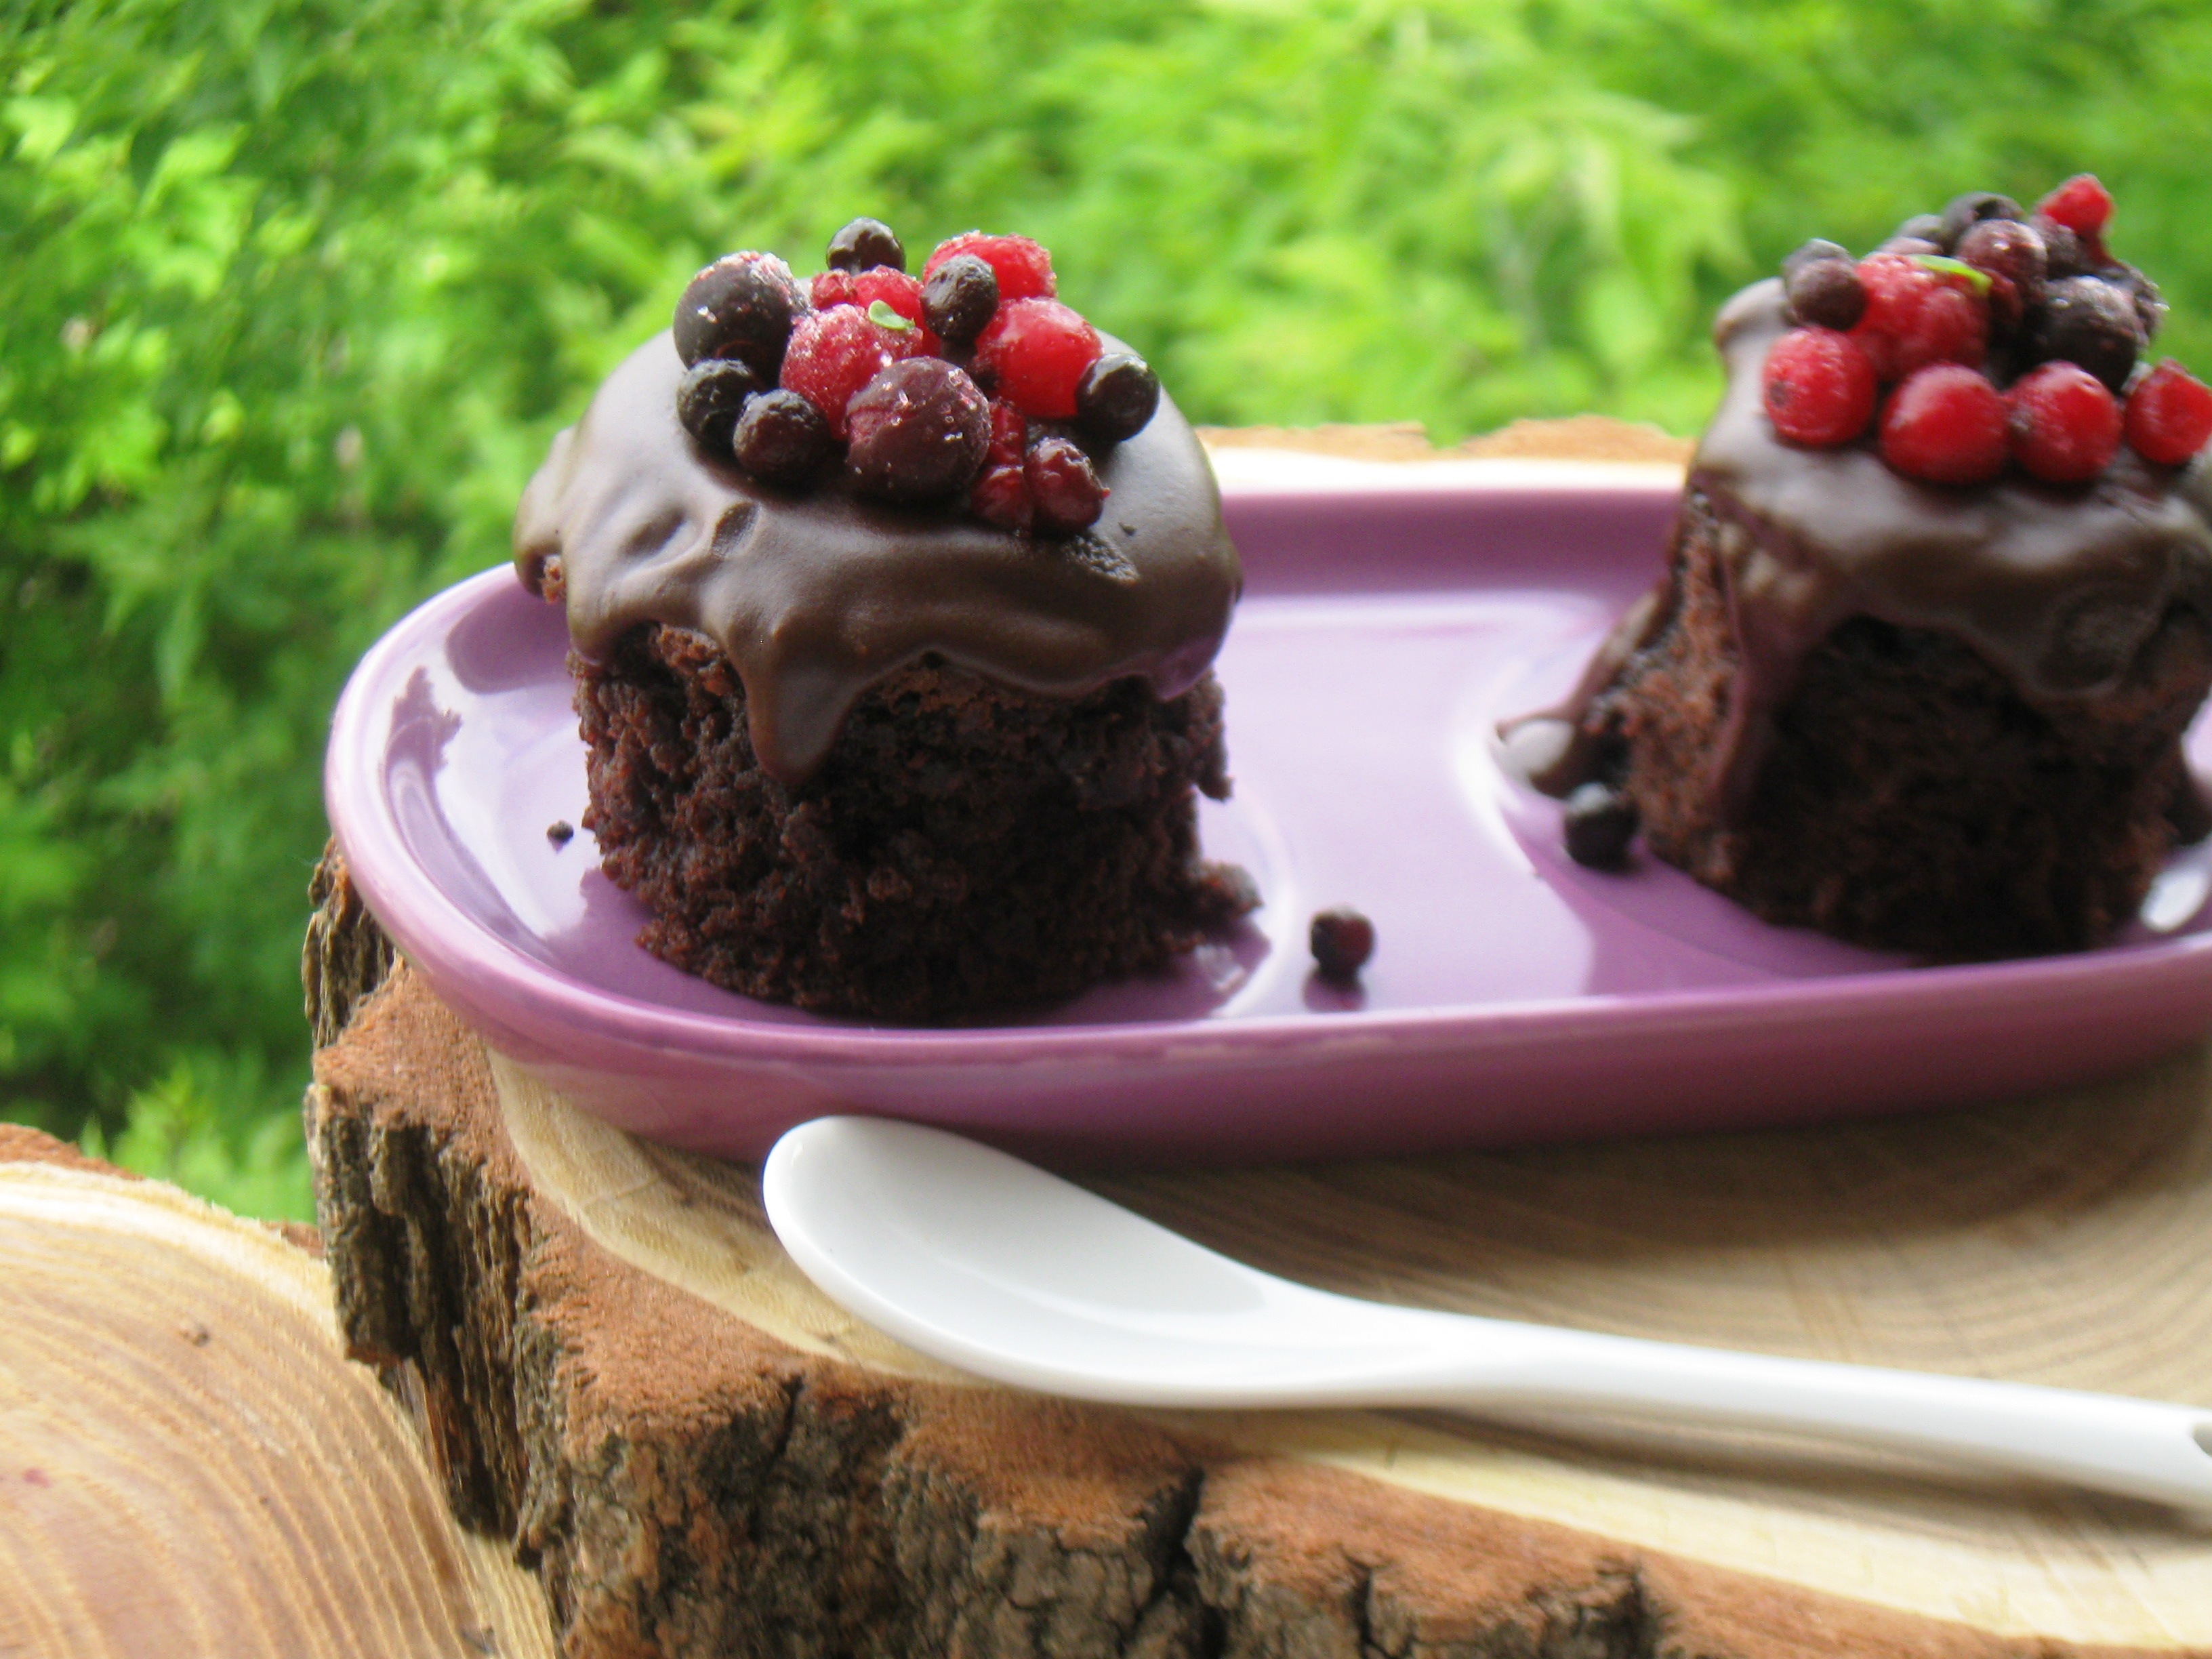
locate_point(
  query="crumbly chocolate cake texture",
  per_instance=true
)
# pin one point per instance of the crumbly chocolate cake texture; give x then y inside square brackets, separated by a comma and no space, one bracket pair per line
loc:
[908,760]
[1919,716]
[963,846]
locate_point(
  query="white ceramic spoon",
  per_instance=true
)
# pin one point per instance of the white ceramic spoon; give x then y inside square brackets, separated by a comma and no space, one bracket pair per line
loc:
[992,1265]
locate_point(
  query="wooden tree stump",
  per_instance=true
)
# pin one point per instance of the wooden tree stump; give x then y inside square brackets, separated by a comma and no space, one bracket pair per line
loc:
[189,1467]
[621,1372]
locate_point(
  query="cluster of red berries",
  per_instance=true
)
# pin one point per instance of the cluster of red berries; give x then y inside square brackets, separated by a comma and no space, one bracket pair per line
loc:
[2001,336]
[971,383]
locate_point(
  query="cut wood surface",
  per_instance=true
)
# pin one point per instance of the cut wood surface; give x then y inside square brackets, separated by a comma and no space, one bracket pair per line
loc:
[627,1375]
[190,1466]
[620,1371]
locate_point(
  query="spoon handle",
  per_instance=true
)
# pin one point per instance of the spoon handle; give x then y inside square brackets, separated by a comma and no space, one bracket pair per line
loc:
[2141,1448]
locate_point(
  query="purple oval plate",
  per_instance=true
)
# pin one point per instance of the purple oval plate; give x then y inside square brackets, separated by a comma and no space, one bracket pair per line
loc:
[1513,995]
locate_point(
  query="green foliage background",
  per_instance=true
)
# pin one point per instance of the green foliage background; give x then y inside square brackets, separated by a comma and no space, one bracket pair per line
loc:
[294,292]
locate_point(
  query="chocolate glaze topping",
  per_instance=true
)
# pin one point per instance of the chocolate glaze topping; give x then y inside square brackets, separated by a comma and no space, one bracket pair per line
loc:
[815,596]
[2058,588]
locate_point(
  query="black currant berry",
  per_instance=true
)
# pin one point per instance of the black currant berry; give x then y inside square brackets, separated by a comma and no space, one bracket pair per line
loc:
[2089,321]
[710,398]
[1341,941]
[2010,249]
[1600,824]
[1064,489]
[2064,253]
[1808,252]
[958,299]
[1976,206]
[741,306]
[782,439]
[863,245]
[2150,307]
[917,432]
[1116,397]
[1826,293]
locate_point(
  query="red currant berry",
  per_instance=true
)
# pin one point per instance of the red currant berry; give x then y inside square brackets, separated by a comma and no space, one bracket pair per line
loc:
[1034,351]
[2081,204]
[834,288]
[1001,496]
[1063,486]
[834,353]
[2169,416]
[1023,267]
[1916,315]
[1820,387]
[1946,424]
[1010,434]
[2065,425]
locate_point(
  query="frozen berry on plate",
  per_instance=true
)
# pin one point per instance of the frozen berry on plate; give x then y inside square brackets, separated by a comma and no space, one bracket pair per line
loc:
[1826,293]
[1116,397]
[1962,213]
[1946,424]
[1000,496]
[918,431]
[743,305]
[782,439]
[1819,387]
[711,396]
[864,244]
[1023,267]
[1600,823]
[959,297]
[1034,352]
[2169,414]
[1920,311]
[835,352]
[1341,941]
[1806,253]
[2089,321]
[2081,204]
[1065,493]
[2065,425]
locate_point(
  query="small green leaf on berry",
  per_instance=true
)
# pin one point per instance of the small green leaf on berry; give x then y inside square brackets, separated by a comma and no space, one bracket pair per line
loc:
[882,316]
[1944,266]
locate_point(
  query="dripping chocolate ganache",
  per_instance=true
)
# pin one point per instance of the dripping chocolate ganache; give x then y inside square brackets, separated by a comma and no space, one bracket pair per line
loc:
[906,720]
[1937,608]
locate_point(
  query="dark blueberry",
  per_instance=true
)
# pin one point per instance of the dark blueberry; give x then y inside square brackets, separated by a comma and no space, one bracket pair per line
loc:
[741,306]
[1920,227]
[782,439]
[2063,252]
[2010,249]
[1918,245]
[2089,321]
[917,432]
[1600,823]
[1116,397]
[710,398]
[1827,293]
[1812,252]
[959,297]
[2150,307]
[863,245]
[560,832]
[1976,206]
[1064,491]
[1341,940]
